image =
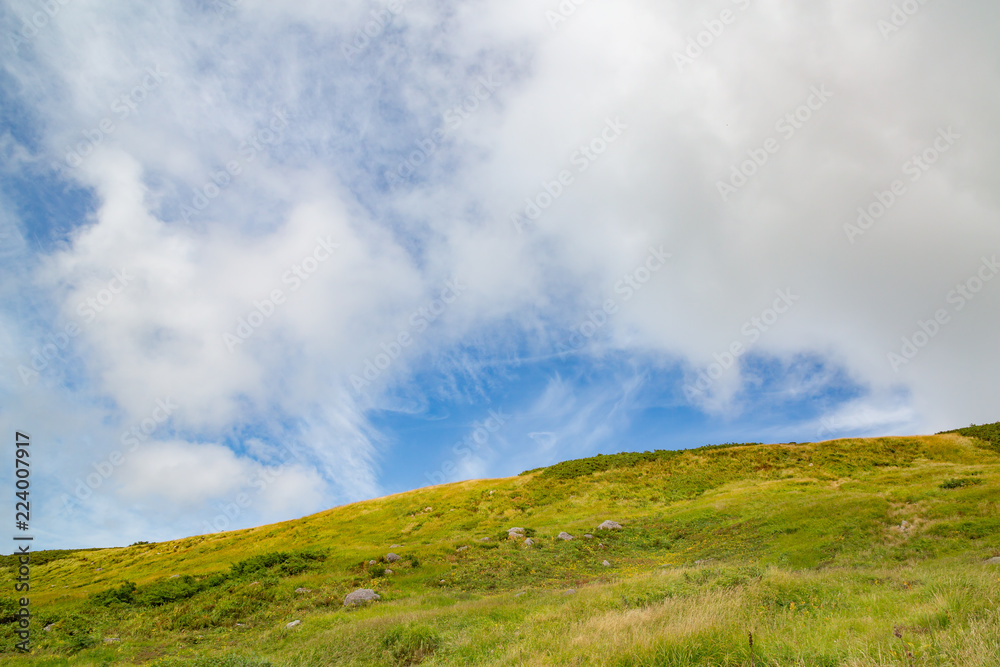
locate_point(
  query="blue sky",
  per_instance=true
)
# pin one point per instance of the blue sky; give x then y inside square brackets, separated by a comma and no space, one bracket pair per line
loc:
[261,260]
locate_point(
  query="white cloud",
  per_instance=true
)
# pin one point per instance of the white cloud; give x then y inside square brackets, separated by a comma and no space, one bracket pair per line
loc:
[351,121]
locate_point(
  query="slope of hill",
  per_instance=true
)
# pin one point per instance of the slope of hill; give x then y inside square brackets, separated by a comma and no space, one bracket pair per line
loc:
[857,552]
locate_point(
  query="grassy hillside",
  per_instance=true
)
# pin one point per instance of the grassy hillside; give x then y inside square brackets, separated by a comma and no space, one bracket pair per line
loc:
[853,552]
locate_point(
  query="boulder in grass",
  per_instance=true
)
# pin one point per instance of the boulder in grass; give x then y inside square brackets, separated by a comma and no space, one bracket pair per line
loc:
[610,525]
[293,624]
[361,596]
[388,571]
[462,549]
[528,542]
[994,561]
[589,536]
[565,536]
[606,564]
[303,590]
[392,558]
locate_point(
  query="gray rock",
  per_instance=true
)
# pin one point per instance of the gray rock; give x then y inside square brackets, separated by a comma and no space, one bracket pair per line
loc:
[175,576]
[111,640]
[361,596]
[564,536]
[994,561]
[610,525]
[241,625]
[600,546]
[441,582]
[515,530]
[388,571]
[303,590]
[48,627]
[484,539]
[519,594]
[528,542]
[293,624]
[463,548]
[905,526]
[371,562]
[569,591]
[392,558]
[589,536]
[606,564]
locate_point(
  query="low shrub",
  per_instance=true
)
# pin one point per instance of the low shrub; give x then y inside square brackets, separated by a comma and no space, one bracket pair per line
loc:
[958,483]
[410,645]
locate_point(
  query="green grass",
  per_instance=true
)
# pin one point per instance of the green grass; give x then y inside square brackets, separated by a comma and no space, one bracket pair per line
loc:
[804,545]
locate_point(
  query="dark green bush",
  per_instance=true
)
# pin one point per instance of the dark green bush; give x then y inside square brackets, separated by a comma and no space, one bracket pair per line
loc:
[410,645]
[171,590]
[124,594]
[77,631]
[958,483]
[280,562]
[8,609]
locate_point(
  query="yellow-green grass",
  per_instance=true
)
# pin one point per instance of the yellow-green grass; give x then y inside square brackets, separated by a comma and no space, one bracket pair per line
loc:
[801,545]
